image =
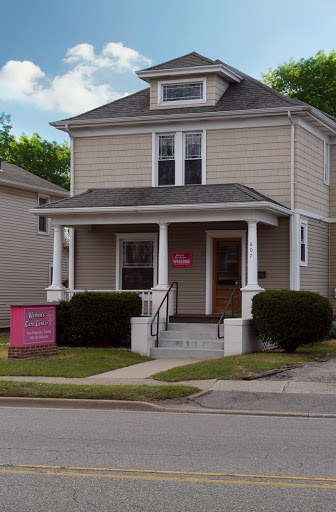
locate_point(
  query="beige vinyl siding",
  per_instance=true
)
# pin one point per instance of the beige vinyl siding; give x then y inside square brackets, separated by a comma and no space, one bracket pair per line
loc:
[332,283]
[315,276]
[273,255]
[24,255]
[310,192]
[95,255]
[332,180]
[215,88]
[113,161]
[255,157]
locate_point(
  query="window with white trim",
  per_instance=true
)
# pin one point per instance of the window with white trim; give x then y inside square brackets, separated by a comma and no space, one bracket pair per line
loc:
[304,243]
[326,163]
[42,221]
[180,159]
[136,256]
[166,163]
[181,92]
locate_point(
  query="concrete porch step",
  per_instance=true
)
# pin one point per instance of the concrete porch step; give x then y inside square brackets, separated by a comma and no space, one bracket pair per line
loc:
[198,327]
[189,334]
[194,344]
[186,352]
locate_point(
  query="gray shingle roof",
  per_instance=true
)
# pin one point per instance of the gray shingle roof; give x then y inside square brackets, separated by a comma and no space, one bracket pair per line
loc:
[247,95]
[190,60]
[157,196]
[12,174]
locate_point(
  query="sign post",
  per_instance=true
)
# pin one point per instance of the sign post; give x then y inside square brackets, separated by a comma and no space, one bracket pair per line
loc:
[32,331]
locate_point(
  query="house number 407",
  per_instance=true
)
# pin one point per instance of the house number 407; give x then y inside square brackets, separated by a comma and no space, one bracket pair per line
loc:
[251,249]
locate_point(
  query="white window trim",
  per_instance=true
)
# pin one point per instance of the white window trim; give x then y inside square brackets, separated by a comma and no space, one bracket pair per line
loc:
[50,271]
[304,223]
[130,237]
[326,164]
[47,232]
[162,103]
[179,153]
[210,235]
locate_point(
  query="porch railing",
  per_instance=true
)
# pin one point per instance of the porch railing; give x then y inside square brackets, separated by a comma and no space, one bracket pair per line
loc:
[146,297]
[222,318]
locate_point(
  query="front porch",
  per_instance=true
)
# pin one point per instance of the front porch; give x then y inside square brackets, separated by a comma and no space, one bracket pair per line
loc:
[206,248]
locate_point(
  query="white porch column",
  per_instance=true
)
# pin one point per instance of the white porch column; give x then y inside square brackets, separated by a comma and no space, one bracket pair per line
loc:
[252,287]
[163,257]
[56,291]
[160,290]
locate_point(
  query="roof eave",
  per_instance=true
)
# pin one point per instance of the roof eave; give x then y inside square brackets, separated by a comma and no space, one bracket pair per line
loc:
[254,205]
[159,117]
[228,74]
[34,188]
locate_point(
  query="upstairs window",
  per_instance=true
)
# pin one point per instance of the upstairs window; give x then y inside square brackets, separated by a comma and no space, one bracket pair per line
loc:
[42,221]
[326,163]
[166,160]
[178,92]
[303,243]
[193,159]
[182,92]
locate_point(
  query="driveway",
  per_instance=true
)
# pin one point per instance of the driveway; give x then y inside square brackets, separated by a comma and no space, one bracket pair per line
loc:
[323,371]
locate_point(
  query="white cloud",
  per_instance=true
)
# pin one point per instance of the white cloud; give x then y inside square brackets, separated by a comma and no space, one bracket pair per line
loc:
[77,90]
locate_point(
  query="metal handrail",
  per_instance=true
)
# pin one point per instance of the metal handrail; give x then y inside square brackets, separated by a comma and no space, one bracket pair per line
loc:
[222,318]
[157,314]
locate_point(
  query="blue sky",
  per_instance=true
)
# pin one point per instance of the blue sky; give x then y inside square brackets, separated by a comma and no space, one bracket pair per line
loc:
[62,58]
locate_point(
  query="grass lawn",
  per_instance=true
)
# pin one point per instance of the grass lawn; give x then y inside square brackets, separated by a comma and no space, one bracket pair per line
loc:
[4,338]
[237,367]
[70,363]
[37,390]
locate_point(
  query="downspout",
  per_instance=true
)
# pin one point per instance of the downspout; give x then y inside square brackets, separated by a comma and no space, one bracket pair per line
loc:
[71,230]
[294,219]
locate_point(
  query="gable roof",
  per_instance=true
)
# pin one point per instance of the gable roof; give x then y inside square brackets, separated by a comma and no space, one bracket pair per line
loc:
[12,175]
[248,94]
[190,60]
[162,196]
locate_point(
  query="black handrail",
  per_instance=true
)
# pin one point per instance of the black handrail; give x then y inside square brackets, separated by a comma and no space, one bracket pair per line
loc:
[157,314]
[222,318]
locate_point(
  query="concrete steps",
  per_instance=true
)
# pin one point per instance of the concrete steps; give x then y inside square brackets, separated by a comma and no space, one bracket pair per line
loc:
[194,340]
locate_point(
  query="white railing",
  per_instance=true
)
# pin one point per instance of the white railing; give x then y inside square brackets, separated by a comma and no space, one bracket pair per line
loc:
[146,297]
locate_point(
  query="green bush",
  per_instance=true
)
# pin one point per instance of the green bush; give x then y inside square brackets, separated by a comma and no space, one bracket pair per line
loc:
[100,319]
[291,318]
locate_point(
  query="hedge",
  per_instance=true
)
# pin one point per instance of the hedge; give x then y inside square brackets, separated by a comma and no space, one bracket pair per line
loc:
[291,318]
[100,319]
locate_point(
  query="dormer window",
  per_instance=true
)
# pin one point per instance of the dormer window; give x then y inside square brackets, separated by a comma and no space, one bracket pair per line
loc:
[181,92]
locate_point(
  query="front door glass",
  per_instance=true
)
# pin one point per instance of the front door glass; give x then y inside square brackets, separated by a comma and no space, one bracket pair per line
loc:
[226,272]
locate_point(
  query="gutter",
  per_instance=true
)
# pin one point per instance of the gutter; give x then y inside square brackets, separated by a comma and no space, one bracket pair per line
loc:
[254,205]
[84,123]
[34,188]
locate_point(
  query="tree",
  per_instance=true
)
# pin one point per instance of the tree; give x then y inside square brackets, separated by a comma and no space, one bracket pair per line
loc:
[49,160]
[310,80]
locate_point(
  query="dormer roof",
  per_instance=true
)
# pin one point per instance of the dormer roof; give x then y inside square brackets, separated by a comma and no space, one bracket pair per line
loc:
[190,64]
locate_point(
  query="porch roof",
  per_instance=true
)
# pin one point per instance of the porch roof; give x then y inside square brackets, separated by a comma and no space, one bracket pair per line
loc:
[232,193]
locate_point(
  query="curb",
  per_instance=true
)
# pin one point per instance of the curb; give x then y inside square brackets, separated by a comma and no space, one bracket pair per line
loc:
[125,405]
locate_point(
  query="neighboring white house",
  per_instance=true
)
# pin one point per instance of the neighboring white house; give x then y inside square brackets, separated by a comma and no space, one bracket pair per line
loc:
[26,248]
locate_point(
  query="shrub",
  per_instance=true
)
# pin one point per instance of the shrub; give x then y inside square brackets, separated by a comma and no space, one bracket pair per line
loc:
[291,318]
[98,319]
[63,323]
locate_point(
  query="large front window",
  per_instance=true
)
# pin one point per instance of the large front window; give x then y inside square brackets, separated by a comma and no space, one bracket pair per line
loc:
[166,160]
[137,265]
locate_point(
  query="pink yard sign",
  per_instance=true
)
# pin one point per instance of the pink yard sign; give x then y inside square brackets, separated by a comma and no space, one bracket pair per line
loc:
[32,325]
[182,259]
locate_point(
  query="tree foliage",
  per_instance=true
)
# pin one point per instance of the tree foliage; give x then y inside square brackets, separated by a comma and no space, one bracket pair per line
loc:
[310,80]
[49,160]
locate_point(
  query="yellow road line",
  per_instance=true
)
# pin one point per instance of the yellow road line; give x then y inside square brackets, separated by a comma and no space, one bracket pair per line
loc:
[174,479]
[240,475]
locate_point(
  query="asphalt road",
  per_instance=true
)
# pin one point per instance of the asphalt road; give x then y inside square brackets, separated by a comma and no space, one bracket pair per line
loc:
[65,460]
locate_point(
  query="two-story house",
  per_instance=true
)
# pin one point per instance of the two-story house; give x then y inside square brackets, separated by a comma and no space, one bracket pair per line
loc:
[26,249]
[206,178]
